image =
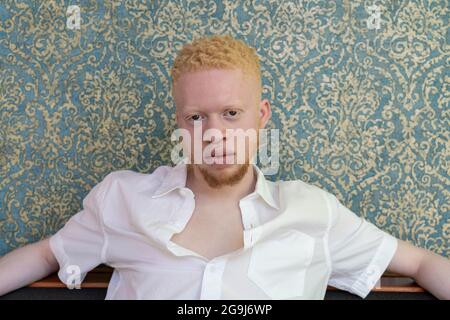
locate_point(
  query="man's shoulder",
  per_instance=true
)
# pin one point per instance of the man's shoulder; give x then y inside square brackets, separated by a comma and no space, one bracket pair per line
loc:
[305,203]
[136,176]
[298,185]
[135,181]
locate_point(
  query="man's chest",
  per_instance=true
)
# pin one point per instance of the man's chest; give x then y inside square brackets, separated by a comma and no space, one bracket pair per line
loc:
[212,234]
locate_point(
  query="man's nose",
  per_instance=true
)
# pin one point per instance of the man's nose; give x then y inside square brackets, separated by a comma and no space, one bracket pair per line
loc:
[214,123]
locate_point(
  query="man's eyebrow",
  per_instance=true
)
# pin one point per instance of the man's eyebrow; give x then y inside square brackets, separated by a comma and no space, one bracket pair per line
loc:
[234,105]
[190,108]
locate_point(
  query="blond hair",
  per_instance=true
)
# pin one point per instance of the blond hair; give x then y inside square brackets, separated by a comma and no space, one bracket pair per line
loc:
[221,52]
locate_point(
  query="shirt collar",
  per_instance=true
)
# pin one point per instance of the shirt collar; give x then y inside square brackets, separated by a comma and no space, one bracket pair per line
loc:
[176,179]
[264,189]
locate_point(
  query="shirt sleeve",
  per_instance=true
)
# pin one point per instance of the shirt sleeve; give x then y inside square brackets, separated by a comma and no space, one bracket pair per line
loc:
[360,252]
[79,245]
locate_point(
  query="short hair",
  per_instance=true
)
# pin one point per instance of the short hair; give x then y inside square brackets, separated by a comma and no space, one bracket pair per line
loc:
[218,51]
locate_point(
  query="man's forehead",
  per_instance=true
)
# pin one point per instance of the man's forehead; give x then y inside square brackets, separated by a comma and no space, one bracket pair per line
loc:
[213,78]
[214,90]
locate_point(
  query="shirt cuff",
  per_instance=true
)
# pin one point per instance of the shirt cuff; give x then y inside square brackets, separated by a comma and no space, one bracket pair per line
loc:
[380,262]
[69,274]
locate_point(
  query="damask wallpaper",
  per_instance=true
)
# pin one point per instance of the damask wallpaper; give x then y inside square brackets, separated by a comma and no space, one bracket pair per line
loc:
[359,91]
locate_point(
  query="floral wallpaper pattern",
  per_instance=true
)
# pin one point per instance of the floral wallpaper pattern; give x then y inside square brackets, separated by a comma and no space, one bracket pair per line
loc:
[359,91]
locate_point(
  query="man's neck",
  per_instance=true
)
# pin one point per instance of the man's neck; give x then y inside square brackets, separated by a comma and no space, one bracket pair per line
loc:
[201,188]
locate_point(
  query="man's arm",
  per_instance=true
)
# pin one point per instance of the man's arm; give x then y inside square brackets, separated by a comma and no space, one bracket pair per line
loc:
[25,265]
[431,271]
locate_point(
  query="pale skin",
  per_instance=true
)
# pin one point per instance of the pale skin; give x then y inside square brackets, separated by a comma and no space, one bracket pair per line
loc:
[220,102]
[215,227]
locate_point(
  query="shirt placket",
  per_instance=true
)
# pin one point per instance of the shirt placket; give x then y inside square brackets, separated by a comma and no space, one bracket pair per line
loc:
[212,279]
[213,274]
[177,224]
[249,221]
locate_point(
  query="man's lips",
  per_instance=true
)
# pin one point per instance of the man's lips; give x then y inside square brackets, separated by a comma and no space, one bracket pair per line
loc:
[222,158]
[212,156]
[220,153]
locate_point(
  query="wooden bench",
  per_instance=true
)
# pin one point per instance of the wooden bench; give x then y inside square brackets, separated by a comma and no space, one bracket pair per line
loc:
[100,276]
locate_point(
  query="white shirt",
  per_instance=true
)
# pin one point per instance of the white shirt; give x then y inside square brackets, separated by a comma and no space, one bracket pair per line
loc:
[298,238]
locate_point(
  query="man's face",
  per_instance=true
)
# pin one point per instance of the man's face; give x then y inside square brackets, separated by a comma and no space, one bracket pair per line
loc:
[220,99]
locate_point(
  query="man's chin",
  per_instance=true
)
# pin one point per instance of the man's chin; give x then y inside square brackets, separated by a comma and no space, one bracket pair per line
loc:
[221,171]
[221,166]
[218,175]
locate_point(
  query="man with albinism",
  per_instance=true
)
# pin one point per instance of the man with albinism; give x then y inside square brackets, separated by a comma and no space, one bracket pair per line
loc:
[216,228]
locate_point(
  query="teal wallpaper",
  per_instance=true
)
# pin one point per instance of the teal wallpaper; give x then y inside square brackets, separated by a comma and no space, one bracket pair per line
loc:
[359,90]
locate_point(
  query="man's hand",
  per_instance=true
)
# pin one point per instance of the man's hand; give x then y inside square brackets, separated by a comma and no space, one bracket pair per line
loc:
[429,270]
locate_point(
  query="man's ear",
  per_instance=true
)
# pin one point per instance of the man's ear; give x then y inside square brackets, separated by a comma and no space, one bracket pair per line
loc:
[265,113]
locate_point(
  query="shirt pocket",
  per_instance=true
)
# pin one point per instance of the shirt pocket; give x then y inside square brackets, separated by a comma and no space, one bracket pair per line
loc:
[278,264]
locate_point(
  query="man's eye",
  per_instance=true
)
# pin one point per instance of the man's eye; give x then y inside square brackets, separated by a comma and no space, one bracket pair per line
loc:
[231,113]
[195,117]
